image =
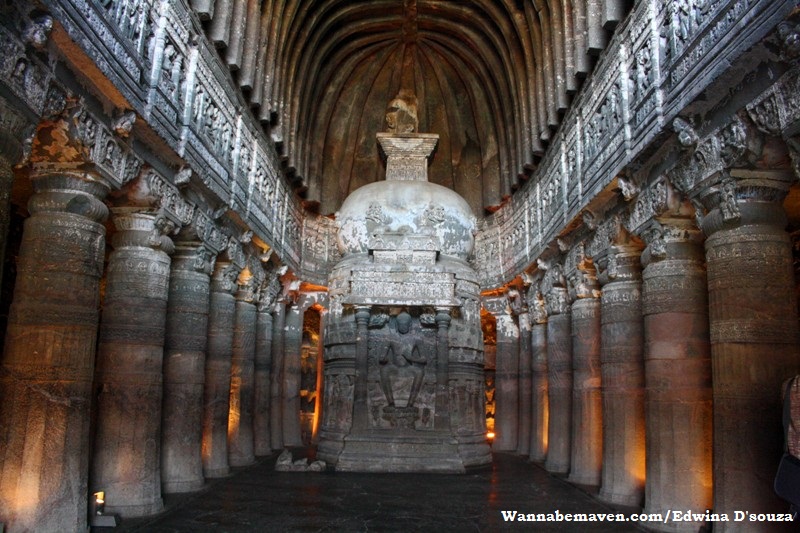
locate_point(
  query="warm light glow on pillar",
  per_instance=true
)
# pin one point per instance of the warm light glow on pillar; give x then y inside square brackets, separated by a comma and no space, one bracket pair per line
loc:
[490,435]
[545,424]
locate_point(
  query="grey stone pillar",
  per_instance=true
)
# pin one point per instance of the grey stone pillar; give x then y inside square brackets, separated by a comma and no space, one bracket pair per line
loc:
[622,368]
[677,372]
[524,379]
[184,368]
[754,337]
[540,405]
[293,342]
[128,376]
[276,377]
[240,413]
[506,418]
[48,361]
[587,402]
[263,361]
[216,393]
[559,380]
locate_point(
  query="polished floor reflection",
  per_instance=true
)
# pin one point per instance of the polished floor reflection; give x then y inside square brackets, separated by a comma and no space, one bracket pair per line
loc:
[260,499]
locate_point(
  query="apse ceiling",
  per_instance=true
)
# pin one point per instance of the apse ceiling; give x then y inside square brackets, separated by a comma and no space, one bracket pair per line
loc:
[492,79]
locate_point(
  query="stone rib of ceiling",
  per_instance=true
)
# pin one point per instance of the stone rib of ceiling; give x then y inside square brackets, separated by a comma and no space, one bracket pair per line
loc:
[492,78]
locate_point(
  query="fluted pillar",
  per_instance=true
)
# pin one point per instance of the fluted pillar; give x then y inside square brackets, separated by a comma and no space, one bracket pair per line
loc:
[506,396]
[677,372]
[559,380]
[240,410]
[184,368]
[48,361]
[587,402]
[216,393]
[261,385]
[128,376]
[540,405]
[276,377]
[754,337]
[293,342]
[622,369]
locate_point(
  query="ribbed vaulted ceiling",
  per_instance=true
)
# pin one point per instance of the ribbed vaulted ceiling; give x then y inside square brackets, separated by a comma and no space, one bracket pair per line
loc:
[492,78]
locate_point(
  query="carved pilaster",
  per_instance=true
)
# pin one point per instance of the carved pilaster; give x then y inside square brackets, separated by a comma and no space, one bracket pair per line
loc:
[48,361]
[129,364]
[443,321]
[360,408]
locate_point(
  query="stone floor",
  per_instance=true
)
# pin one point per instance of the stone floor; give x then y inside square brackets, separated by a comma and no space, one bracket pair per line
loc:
[259,499]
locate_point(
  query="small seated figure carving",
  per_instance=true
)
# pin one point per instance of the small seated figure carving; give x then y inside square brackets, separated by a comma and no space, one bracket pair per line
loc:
[402,356]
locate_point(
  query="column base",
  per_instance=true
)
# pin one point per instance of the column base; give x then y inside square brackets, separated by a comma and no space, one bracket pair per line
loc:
[625,500]
[556,468]
[217,472]
[178,487]
[582,479]
[135,511]
[242,461]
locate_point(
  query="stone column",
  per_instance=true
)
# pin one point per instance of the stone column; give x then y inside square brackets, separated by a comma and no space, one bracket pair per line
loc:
[240,414]
[184,368]
[360,408]
[677,372]
[292,374]
[525,389]
[48,362]
[622,368]
[539,408]
[263,361]
[128,376]
[506,367]
[754,336]
[587,402]
[216,394]
[559,378]
[276,377]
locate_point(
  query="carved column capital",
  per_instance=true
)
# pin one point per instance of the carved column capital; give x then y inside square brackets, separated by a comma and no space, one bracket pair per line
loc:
[536,305]
[142,227]
[668,236]
[623,263]
[224,277]
[76,140]
[193,256]
[740,197]
[581,273]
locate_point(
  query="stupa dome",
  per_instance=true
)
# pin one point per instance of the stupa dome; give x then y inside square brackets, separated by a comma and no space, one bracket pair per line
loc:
[406,215]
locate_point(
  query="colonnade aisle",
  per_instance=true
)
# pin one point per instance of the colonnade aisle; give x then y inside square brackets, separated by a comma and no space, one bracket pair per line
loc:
[259,499]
